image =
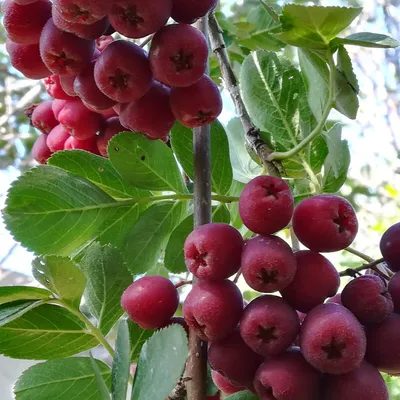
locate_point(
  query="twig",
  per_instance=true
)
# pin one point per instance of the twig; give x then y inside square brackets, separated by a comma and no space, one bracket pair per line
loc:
[146,41]
[196,366]
[183,283]
[252,133]
[179,391]
[359,254]
[237,276]
[353,272]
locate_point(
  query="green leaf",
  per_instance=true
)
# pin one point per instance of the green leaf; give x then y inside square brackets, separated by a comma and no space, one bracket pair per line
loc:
[107,278]
[97,170]
[212,389]
[61,276]
[101,385]
[63,379]
[261,40]
[368,39]
[244,168]
[150,235]
[221,169]
[174,259]
[316,75]
[242,396]
[337,162]
[346,99]
[161,364]
[301,189]
[236,190]
[121,363]
[13,310]
[51,211]
[14,293]
[314,26]
[318,151]
[345,66]
[138,337]
[45,332]
[147,164]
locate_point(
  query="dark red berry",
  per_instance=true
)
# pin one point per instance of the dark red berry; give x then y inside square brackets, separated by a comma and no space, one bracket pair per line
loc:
[82,11]
[213,251]
[89,145]
[394,290]
[224,384]
[213,309]
[337,298]
[111,128]
[150,301]
[57,106]
[43,117]
[316,279]
[266,205]
[56,138]
[40,152]
[103,41]
[332,340]
[390,247]
[178,55]
[53,87]
[325,223]
[269,325]
[268,264]
[67,84]
[187,12]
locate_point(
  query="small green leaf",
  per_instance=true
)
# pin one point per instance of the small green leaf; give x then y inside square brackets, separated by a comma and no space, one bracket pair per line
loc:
[147,164]
[161,364]
[221,169]
[242,396]
[368,39]
[273,14]
[344,65]
[13,310]
[317,153]
[107,278]
[51,211]
[61,276]
[150,234]
[301,189]
[121,363]
[314,26]
[174,259]
[14,293]
[244,168]
[138,337]
[63,379]
[101,385]
[261,41]
[346,99]
[236,190]
[97,170]
[45,332]
[337,162]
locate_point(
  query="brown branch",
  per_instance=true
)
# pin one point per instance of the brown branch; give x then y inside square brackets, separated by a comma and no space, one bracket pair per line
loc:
[354,272]
[179,391]
[196,366]
[252,133]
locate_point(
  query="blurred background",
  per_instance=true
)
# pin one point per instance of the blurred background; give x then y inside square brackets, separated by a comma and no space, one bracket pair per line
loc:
[374,180]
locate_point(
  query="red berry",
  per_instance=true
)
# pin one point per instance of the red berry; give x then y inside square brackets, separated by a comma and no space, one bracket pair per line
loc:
[266,205]
[325,223]
[178,55]
[85,87]
[111,128]
[213,251]
[368,299]
[103,41]
[89,145]
[24,23]
[26,59]
[57,138]
[53,87]
[40,152]
[269,325]
[196,105]
[287,377]
[67,84]
[109,113]
[139,18]
[24,2]
[64,53]
[79,121]
[316,279]
[187,12]
[57,106]
[394,290]
[364,382]
[122,71]
[213,309]
[268,264]
[390,247]
[383,344]
[82,11]
[234,360]
[224,384]
[150,301]
[139,115]
[89,32]
[332,340]
[337,298]
[43,117]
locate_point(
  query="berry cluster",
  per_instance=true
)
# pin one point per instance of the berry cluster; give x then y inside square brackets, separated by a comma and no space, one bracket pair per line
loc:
[148,92]
[309,342]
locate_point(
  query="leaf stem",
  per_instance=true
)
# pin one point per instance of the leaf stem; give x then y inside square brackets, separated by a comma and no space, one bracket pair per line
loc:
[93,329]
[359,254]
[320,126]
[371,265]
